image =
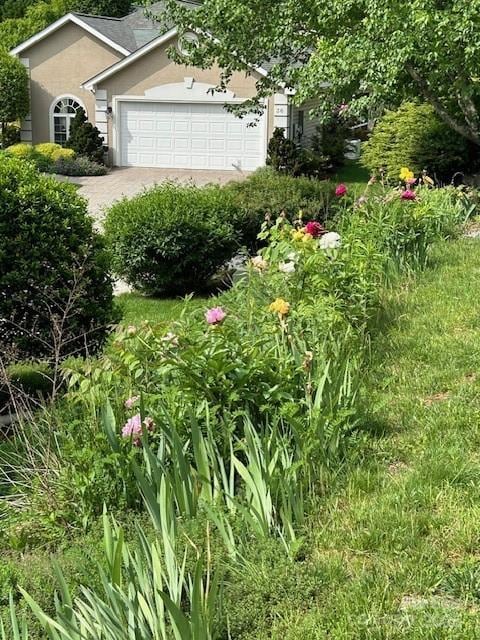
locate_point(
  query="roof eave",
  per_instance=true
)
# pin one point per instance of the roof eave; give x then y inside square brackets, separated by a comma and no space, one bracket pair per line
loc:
[69,17]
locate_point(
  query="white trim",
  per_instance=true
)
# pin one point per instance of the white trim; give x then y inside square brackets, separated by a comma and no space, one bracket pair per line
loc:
[52,107]
[118,100]
[91,82]
[69,17]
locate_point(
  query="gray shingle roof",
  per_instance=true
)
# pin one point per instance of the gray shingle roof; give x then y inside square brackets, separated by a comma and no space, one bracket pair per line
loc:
[134,30]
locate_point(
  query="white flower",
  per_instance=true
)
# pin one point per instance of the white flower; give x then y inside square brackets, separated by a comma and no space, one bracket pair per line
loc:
[330,240]
[259,263]
[287,267]
[293,256]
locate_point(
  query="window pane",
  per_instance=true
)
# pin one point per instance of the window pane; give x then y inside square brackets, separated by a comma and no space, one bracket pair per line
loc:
[60,129]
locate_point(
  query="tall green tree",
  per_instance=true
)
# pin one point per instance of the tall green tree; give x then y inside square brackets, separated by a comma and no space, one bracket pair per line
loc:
[365,52]
[14,91]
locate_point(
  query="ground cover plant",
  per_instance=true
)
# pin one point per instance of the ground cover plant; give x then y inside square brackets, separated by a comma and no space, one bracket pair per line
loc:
[228,427]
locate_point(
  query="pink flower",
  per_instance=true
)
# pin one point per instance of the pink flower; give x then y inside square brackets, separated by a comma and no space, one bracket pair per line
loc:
[408,194]
[314,229]
[129,402]
[411,181]
[215,315]
[133,429]
[341,190]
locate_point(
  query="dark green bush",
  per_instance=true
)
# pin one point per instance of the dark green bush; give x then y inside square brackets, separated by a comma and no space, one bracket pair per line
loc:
[413,136]
[55,291]
[267,193]
[85,139]
[173,238]
[80,166]
[283,154]
[329,141]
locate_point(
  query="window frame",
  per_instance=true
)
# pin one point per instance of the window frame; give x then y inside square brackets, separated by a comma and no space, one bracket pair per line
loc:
[68,116]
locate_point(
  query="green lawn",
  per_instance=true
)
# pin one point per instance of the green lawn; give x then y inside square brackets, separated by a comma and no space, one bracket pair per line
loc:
[393,550]
[398,543]
[137,308]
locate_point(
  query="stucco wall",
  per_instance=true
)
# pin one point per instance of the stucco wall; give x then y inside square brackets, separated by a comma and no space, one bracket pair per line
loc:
[58,65]
[155,69]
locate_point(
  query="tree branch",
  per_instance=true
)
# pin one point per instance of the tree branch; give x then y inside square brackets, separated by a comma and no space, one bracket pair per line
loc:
[463,129]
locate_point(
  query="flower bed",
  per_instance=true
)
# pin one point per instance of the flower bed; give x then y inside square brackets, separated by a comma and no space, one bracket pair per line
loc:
[232,414]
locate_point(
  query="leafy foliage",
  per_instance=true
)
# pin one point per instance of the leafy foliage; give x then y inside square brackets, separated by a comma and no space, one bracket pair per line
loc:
[56,297]
[283,153]
[414,136]
[14,92]
[85,139]
[172,238]
[266,194]
[371,52]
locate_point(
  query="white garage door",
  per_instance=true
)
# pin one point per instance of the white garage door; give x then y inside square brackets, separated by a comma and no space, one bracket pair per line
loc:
[188,136]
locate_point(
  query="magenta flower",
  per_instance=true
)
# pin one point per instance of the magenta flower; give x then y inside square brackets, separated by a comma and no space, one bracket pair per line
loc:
[314,229]
[341,190]
[408,194]
[216,315]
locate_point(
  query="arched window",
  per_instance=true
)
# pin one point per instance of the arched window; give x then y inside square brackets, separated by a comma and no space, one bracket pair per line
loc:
[62,112]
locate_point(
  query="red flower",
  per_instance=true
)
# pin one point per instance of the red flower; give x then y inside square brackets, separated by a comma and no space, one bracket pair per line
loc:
[408,194]
[314,229]
[341,190]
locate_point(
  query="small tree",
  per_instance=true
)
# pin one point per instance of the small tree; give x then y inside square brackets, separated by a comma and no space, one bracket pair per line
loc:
[85,139]
[282,153]
[14,93]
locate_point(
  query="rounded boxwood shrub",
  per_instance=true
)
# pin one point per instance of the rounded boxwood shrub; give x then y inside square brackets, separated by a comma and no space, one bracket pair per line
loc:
[55,290]
[413,136]
[172,238]
[269,193]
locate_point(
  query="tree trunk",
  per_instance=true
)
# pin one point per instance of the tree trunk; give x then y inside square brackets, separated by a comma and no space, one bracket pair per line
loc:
[465,130]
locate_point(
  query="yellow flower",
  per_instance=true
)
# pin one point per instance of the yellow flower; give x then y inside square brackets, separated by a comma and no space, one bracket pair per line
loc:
[280,306]
[406,174]
[298,234]
[307,238]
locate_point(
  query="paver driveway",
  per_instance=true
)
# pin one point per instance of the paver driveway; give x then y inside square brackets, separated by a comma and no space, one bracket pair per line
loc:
[102,191]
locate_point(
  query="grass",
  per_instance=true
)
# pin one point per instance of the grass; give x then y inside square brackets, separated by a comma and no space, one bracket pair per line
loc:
[137,308]
[353,175]
[399,540]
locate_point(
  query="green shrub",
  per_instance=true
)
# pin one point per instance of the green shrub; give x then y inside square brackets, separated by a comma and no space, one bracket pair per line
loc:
[32,378]
[79,166]
[85,139]
[55,291]
[283,153]
[21,150]
[53,151]
[10,136]
[173,238]
[267,194]
[413,136]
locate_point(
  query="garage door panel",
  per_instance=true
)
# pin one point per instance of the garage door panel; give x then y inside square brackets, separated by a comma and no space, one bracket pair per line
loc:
[183,135]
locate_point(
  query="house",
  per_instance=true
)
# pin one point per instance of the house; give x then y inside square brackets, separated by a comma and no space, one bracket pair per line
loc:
[150,111]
